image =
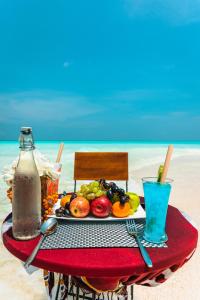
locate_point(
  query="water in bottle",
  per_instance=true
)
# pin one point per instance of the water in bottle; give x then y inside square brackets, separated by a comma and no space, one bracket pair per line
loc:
[26,204]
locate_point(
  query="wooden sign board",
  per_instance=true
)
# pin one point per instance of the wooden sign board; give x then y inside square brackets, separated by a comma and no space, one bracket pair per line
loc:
[96,165]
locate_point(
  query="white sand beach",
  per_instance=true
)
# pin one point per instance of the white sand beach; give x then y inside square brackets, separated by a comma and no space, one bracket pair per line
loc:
[15,284]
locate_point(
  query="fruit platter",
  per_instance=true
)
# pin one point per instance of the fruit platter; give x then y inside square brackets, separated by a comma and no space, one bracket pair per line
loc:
[98,200]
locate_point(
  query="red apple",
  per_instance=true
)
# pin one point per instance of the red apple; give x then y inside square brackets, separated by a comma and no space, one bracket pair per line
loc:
[79,207]
[101,207]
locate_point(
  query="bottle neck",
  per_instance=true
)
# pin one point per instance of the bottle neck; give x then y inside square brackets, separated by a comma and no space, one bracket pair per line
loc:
[26,142]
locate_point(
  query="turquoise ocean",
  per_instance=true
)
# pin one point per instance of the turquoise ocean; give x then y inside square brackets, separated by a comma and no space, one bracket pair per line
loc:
[141,155]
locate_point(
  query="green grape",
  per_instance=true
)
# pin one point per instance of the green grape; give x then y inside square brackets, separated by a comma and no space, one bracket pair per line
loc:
[79,194]
[90,190]
[83,187]
[91,196]
[100,193]
[87,190]
[91,184]
[95,190]
[115,198]
[95,184]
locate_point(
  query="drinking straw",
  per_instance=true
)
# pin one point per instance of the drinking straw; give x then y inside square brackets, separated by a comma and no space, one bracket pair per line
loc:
[167,162]
[60,152]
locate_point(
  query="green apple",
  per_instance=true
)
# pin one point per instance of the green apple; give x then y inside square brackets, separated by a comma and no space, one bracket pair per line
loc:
[134,201]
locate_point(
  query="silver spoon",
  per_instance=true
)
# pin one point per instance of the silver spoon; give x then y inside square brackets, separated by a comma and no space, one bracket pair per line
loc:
[47,228]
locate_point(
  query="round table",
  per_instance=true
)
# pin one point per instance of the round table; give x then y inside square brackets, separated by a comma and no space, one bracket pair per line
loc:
[103,268]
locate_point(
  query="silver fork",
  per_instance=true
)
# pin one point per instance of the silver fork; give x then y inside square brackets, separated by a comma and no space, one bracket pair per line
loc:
[132,230]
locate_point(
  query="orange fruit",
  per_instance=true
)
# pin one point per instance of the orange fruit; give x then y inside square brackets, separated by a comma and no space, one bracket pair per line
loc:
[65,200]
[121,210]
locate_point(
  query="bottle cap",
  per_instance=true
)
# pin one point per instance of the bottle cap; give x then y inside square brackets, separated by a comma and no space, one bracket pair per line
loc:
[26,130]
[26,139]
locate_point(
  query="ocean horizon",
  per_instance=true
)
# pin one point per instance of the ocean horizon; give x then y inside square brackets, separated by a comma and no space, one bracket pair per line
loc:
[142,153]
[134,142]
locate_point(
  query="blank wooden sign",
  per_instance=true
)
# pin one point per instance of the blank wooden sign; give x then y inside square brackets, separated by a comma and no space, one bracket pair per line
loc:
[96,165]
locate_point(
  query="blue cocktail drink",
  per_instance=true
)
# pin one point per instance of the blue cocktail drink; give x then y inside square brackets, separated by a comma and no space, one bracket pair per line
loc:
[156,196]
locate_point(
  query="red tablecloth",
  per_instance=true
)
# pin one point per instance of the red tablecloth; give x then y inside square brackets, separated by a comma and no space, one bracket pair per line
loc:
[124,264]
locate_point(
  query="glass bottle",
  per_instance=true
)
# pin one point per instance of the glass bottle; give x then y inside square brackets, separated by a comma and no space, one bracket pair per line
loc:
[26,204]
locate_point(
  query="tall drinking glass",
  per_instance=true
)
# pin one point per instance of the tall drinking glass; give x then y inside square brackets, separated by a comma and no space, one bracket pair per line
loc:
[156,196]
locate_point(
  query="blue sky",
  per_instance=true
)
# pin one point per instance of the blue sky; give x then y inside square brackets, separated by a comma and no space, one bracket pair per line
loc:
[110,70]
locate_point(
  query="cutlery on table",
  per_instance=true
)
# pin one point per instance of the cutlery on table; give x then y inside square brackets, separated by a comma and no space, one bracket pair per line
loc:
[47,228]
[132,230]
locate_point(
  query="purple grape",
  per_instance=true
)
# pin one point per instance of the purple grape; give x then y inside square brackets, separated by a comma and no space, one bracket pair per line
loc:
[66,212]
[73,196]
[106,185]
[102,181]
[114,189]
[112,184]
[123,199]
[109,194]
[59,211]
[67,205]
[121,192]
